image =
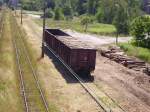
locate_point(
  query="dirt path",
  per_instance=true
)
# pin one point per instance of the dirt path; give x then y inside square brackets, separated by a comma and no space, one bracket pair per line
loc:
[62,92]
[96,40]
[131,89]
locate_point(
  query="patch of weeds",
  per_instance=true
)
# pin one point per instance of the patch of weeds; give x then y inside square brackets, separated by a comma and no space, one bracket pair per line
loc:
[108,102]
[2,86]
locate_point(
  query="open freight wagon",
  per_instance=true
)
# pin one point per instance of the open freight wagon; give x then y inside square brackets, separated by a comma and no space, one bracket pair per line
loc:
[78,55]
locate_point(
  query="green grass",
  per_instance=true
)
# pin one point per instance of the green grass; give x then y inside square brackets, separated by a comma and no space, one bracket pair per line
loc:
[10,99]
[139,52]
[95,28]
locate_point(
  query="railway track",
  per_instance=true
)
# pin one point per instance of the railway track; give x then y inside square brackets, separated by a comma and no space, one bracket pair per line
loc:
[94,96]
[21,78]
[87,87]
[34,99]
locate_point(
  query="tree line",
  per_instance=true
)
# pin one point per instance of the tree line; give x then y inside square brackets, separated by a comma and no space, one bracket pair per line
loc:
[117,12]
[120,13]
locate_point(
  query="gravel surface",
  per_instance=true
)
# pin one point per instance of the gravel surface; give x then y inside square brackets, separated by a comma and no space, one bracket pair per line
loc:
[129,88]
[96,40]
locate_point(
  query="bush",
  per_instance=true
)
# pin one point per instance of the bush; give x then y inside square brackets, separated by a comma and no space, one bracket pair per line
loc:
[58,14]
[30,6]
[100,16]
[85,21]
[139,52]
[140,30]
[67,10]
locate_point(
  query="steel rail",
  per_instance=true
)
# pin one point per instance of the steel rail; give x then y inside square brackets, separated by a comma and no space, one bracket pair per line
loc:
[34,75]
[33,71]
[89,91]
[92,94]
[21,76]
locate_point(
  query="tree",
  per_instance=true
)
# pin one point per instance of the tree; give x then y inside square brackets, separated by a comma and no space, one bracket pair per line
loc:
[107,8]
[51,4]
[92,6]
[67,10]
[81,7]
[120,21]
[100,15]
[58,14]
[49,13]
[33,5]
[140,30]
[85,21]
[134,8]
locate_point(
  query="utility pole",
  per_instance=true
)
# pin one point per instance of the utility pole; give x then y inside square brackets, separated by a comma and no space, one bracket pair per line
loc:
[117,5]
[44,22]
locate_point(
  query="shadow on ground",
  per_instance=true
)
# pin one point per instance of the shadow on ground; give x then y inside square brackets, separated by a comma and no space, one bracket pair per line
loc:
[64,71]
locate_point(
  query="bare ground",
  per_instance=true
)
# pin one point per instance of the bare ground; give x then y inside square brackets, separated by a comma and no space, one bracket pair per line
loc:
[96,40]
[130,89]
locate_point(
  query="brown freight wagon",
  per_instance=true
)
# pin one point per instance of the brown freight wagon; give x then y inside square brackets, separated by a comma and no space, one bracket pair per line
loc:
[78,55]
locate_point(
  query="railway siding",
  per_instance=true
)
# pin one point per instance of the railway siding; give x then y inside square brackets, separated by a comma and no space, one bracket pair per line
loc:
[31,91]
[10,100]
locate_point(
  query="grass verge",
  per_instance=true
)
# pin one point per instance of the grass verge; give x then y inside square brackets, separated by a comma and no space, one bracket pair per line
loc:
[95,28]
[139,52]
[10,98]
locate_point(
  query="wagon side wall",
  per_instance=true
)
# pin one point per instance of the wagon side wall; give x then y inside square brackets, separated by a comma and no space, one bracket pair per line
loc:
[59,48]
[77,59]
[92,59]
[74,59]
[49,39]
[83,59]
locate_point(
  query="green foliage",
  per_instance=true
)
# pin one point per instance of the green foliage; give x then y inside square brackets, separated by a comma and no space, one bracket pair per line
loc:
[140,29]
[49,13]
[81,7]
[75,24]
[33,5]
[106,8]
[58,14]
[51,4]
[67,10]
[85,21]
[100,16]
[119,12]
[92,6]
[121,21]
